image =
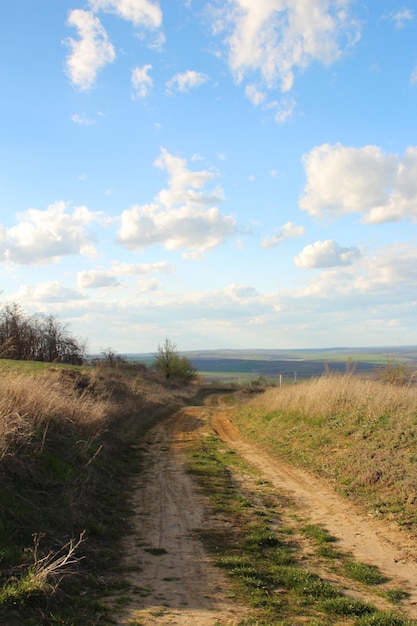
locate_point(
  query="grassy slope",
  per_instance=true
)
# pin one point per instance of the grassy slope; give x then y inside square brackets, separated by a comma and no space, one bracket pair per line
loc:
[66,461]
[359,434]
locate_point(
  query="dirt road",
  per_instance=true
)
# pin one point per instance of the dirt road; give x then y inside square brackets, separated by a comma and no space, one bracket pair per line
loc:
[173,580]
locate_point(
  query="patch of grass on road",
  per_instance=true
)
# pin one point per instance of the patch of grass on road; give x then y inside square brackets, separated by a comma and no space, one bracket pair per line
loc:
[264,555]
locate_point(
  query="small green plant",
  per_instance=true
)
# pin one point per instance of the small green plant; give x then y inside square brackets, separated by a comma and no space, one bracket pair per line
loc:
[318,533]
[42,576]
[364,573]
[381,618]
[396,596]
[346,606]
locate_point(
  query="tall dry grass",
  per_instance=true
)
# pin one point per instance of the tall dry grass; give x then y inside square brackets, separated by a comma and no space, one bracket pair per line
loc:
[29,403]
[342,395]
[68,452]
[360,434]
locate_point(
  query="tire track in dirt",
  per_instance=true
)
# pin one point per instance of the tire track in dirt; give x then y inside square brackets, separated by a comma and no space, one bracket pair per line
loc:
[367,538]
[173,580]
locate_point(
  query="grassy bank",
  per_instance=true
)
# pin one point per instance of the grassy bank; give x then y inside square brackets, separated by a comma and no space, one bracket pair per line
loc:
[359,434]
[66,460]
[287,572]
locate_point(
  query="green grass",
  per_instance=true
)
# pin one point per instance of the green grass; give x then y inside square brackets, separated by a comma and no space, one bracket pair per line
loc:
[364,573]
[259,551]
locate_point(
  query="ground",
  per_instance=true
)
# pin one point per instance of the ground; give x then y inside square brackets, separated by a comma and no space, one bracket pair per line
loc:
[173,580]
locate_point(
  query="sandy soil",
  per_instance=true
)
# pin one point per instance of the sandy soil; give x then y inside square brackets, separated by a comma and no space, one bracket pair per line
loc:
[172,578]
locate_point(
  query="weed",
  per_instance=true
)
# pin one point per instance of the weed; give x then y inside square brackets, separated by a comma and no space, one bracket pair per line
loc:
[346,606]
[396,596]
[364,573]
[381,618]
[318,533]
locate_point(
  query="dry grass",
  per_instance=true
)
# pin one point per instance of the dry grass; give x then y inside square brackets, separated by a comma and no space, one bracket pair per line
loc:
[28,404]
[359,433]
[66,461]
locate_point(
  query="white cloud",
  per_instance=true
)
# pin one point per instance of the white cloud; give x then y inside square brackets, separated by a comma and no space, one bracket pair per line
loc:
[141,81]
[93,279]
[49,292]
[276,37]
[240,291]
[45,236]
[184,183]
[82,119]
[183,228]
[391,268]
[283,109]
[288,231]
[186,80]
[400,18]
[384,278]
[140,12]
[182,217]
[3,243]
[366,180]
[140,269]
[413,77]
[254,94]
[326,254]
[91,52]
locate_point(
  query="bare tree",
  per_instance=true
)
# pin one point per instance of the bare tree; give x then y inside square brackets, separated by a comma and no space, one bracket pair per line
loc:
[37,338]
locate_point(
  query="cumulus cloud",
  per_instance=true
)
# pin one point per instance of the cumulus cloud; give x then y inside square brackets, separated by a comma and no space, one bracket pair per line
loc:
[94,279]
[341,180]
[186,80]
[141,81]
[45,236]
[140,269]
[413,76]
[288,231]
[274,39]
[392,267]
[185,185]
[48,292]
[384,278]
[97,278]
[91,52]
[182,228]
[140,12]
[326,254]
[182,217]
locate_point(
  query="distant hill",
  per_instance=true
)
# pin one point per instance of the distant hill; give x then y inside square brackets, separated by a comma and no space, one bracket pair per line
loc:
[251,364]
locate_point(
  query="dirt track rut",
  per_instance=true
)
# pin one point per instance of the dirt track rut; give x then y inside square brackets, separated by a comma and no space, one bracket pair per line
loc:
[174,581]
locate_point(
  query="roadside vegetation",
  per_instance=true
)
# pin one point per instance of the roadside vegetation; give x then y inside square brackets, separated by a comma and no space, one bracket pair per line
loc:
[67,457]
[359,434]
[289,572]
[70,434]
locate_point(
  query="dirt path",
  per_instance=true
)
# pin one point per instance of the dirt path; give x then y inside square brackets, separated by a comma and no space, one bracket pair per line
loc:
[172,578]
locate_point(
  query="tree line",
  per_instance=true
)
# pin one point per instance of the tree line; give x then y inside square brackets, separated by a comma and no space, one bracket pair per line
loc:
[45,338]
[37,337]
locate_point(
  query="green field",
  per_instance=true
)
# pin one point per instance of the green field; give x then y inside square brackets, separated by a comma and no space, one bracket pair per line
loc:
[246,365]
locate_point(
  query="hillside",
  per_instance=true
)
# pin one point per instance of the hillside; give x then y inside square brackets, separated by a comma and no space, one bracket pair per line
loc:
[127,500]
[244,365]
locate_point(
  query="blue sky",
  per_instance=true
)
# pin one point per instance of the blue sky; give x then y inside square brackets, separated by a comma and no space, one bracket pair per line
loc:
[227,174]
